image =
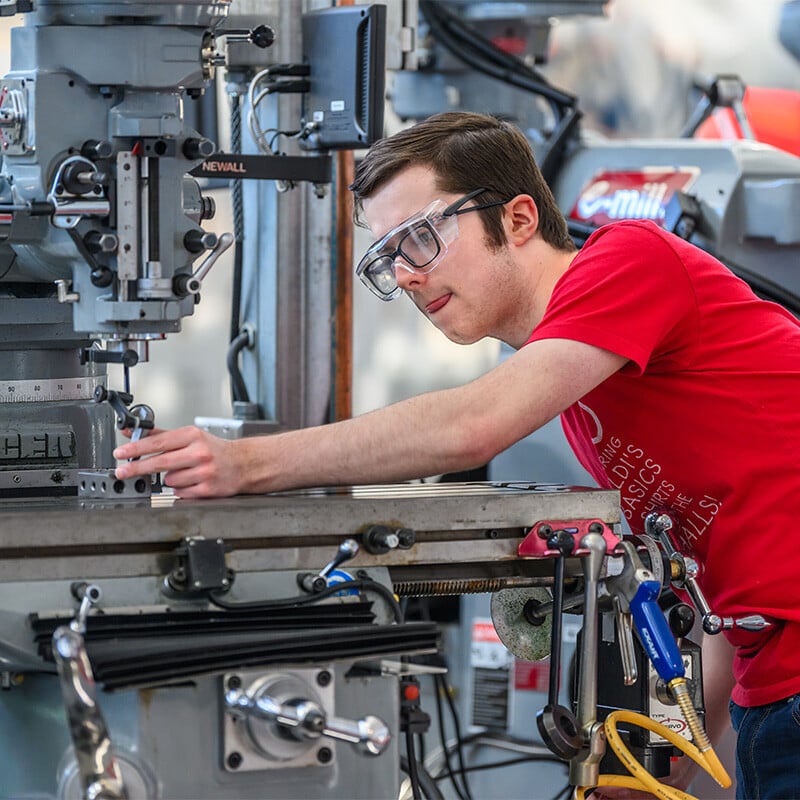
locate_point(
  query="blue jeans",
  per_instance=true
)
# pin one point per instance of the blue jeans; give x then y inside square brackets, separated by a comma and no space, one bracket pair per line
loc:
[768,750]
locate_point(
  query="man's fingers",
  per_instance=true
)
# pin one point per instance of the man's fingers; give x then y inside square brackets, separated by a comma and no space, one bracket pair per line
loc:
[128,432]
[157,441]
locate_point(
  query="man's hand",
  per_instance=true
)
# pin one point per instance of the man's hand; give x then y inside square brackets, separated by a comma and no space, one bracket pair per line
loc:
[194,463]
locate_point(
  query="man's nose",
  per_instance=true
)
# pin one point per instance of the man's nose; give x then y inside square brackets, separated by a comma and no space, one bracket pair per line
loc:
[408,278]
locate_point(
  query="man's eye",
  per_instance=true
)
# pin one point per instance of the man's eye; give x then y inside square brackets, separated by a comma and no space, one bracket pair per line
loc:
[423,236]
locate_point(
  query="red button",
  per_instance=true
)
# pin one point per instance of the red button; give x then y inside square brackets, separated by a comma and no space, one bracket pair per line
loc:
[411,692]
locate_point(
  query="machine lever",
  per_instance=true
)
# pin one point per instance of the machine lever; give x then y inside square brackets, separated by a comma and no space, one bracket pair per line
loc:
[347,549]
[99,770]
[145,419]
[630,671]
[313,583]
[190,284]
[261,36]
[557,725]
[659,526]
[584,768]
[305,719]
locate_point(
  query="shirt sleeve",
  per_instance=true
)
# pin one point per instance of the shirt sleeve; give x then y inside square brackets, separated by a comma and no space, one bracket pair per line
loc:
[628,292]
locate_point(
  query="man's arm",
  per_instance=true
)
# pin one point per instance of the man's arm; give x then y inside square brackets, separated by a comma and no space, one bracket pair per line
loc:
[434,433]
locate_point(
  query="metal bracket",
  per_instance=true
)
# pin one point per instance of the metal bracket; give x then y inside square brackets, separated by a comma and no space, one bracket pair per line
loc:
[200,568]
[535,545]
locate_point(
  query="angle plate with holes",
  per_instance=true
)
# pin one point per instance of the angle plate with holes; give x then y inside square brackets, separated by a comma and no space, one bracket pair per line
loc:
[103,484]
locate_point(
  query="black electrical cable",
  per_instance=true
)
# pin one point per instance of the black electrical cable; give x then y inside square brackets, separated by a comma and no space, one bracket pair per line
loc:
[480,54]
[364,584]
[508,762]
[459,738]
[238,217]
[505,67]
[437,689]
[413,767]
[565,793]
[554,146]
[238,386]
[481,739]
[426,783]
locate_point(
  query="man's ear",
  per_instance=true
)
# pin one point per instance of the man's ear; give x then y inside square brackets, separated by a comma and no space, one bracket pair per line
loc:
[521,219]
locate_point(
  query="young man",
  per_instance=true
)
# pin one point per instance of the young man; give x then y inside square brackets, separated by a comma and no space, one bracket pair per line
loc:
[676,385]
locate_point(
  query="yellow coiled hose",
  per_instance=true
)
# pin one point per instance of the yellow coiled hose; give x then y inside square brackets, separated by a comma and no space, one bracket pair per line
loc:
[640,778]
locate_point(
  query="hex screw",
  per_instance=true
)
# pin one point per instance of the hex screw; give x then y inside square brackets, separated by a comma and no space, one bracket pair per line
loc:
[235,760]
[323,677]
[234,682]
[324,755]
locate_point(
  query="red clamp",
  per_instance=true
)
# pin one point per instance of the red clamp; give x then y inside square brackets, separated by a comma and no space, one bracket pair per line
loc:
[534,545]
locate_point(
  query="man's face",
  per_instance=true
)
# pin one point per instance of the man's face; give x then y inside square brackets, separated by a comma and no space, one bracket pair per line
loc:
[460,294]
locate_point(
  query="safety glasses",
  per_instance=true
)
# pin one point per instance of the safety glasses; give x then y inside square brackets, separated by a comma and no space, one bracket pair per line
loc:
[417,244]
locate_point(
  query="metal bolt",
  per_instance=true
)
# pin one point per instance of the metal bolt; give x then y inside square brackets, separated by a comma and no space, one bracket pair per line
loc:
[595,527]
[17,479]
[544,531]
[234,682]
[234,760]
[324,755]
[324,677]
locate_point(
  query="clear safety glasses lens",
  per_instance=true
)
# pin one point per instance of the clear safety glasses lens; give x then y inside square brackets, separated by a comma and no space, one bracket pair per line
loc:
[421,243]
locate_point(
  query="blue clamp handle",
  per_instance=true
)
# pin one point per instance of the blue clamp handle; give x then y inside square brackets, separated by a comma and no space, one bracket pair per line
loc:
[654,632]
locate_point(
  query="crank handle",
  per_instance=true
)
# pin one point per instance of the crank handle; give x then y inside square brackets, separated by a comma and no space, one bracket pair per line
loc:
[713,623]
[98,769]
[313,583]
[190,284]
[305,719]
[370,734]
[659,526]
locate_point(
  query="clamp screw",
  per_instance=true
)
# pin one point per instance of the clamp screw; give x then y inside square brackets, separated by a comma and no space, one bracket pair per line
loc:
[323,677]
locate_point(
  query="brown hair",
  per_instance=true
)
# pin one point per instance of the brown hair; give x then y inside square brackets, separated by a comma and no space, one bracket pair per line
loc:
[467,151]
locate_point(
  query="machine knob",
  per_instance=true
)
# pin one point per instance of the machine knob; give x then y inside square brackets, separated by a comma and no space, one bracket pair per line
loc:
[97,242]
[681,619]
[262,36]
[195,147]
[197,240]
[92,148]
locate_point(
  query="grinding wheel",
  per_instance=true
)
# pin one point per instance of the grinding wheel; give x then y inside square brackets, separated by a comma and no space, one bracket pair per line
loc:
[523,638]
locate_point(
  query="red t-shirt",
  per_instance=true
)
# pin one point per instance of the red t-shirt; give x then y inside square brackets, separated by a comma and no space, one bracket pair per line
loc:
[704,420]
